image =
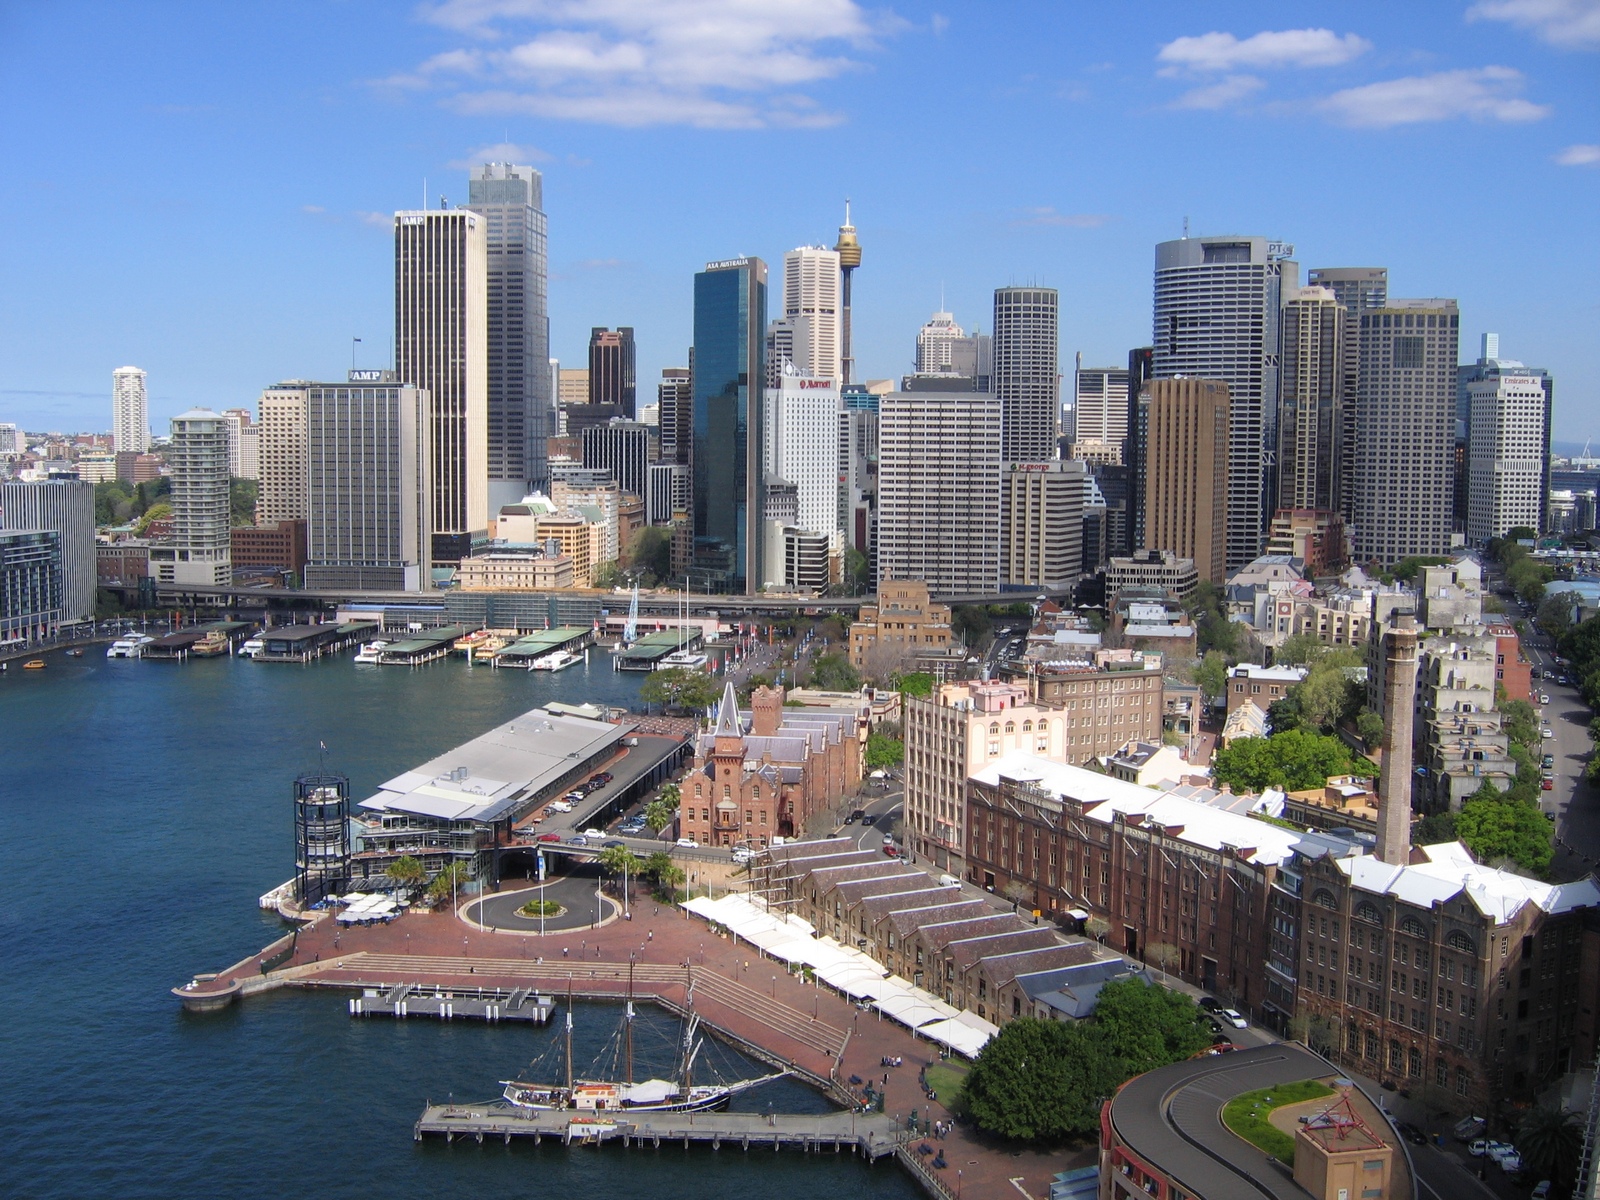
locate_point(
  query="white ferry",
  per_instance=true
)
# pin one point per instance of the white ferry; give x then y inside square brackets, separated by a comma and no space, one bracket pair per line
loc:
[559,661]
[252,647]
[683,658]
[369,651]
[129,646]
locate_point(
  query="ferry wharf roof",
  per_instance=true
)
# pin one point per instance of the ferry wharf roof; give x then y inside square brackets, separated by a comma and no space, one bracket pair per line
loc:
[491,776]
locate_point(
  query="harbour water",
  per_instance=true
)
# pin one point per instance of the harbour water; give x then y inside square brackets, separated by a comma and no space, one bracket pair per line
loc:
[144,807]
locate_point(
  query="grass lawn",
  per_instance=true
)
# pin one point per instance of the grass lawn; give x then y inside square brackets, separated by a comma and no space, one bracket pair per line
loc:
[946,1079]
[1246,1115]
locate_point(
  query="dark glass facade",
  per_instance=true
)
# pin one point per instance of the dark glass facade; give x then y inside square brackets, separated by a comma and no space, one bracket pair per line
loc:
[730,321]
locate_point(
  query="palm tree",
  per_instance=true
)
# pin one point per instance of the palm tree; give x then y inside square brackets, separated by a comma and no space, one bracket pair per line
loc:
[406,869]
[447,881]
[1551,1142]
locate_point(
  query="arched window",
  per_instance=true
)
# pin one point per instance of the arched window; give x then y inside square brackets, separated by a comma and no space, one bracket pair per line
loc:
[1011,726]
[1413,927]
[994,728]
[1027,726]
[1460,941]
[1369,912]
[1323,897]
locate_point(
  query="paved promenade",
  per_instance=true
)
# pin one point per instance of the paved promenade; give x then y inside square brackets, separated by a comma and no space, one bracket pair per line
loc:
[793,1023]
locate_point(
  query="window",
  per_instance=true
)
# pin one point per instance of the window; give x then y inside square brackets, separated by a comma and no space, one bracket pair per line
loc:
[1323,897]
[1369,912]
[1413,927]
[1460,941]
[1408,353]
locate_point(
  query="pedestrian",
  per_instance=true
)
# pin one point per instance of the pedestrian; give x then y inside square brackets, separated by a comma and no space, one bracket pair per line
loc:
[563,952]
[650,936]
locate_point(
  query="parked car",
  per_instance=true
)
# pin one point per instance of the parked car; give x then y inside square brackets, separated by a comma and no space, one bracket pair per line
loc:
[1210,1003]
[577,840]
[1478,1147]
[1541,1190]
[743,854]
[1233,1017]
[1412,1134]
[1547,732]
[1544,698]
[1548,761]
[689,842]
[868,819]
[593,833]
[1469,1127]
[1510,1162]
[1547,784]
[888,848]
[856,815]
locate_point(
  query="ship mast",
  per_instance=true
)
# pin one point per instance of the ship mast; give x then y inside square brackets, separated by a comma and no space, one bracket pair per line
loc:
[628,1022]
[569,1040]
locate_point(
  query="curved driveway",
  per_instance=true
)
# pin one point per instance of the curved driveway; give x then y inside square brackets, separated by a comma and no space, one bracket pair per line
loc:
[573,893]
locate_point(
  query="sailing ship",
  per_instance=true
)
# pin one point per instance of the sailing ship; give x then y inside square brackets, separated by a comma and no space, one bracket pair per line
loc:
[678,1094]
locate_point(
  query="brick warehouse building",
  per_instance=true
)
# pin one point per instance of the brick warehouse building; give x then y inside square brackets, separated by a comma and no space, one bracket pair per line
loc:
[751,782]
[1448,975]
[1193,887]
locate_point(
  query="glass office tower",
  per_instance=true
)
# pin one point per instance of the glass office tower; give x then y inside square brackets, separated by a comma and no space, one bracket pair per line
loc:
[730,322]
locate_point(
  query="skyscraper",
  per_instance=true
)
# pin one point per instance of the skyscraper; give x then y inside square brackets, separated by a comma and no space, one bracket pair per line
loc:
[623,448]
[1402,484]
[613,380]
[281,454]
[947,354]
[1025,372]
[244,443]
[1314,389]
[1359,289]
[939,465]
[1187,460]
[811,307]
[802,446]
[1508,443]
[130,411]
[849,251]
[1141,365]
[441,346]
[66,506]
[730,321]
[368,491]
[520,400]
[199,552]
[674,414]
[1041,523]
[1217,301]
[1100,405]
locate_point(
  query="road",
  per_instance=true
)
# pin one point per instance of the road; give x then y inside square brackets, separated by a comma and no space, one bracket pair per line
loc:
[1573,801]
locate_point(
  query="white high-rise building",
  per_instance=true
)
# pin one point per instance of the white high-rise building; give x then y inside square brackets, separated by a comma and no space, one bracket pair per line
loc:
[281,449]
[939,490]
[1100,405]
[244,443]
[1217,302]
[802,425]
[811,309]
[130,411]
[200,551]
[1506,446]
[937,343]
[441,344]
[1403,487]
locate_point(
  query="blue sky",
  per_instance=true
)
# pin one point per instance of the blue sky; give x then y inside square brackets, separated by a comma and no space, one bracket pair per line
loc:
[203,190]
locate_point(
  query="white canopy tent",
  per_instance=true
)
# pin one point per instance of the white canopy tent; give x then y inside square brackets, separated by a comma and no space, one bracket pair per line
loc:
[961,1038]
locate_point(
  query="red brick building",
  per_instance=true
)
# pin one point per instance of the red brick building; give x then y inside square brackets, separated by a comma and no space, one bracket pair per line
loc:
[751,781]
[1511,670]
[281,547]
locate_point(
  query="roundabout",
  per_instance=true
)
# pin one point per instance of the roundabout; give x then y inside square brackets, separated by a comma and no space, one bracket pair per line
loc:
[575,896]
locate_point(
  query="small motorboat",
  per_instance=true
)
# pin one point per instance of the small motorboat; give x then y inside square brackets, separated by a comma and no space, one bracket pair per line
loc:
[74,653]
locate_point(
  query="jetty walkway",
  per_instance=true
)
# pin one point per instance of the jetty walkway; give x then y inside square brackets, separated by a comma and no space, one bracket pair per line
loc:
[778,1017]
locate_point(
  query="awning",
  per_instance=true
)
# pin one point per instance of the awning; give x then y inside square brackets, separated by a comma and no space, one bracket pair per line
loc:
[961,1038]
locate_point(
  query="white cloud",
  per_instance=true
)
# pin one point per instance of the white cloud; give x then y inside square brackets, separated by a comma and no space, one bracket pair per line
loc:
[1047,215]
[1483,94]
[1571,23]
[1220,94]
[708,63]
[501,152]
[1262,51]
[313,209]
[1579,156]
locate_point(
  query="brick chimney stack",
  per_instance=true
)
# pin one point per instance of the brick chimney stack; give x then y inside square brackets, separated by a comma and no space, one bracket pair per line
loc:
[1394,780]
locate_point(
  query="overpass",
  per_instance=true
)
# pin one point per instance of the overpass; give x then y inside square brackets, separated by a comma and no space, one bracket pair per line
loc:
[571,605]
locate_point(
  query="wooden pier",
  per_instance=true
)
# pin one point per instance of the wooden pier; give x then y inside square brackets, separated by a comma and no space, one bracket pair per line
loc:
[453,1004]
[871,1134]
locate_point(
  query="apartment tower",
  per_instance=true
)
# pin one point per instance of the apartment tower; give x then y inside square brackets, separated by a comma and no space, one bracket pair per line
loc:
[520,400]
[811,307]
[200,551]
[730,322]
[1187,465]
[441,302]
[1217,301]
[1403,482]
[1025,372]
[674,414]
[130,411]
[1314,389]
[281,454]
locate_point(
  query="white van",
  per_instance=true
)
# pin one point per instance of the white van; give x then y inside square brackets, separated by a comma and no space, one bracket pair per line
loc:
[949,881]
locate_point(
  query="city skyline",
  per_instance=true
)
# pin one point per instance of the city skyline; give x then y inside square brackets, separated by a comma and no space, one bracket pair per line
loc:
[1492,81]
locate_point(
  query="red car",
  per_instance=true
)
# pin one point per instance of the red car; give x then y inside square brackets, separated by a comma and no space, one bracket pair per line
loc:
[891,852]
[549,837]
[1548,784]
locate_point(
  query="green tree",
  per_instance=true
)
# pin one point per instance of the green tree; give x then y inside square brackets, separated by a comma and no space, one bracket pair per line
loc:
[655,862]
[857,571]
[406,869]
[833,673]
[1144,1025]
[1551,1143]
[658,814]
[681,689]
[1434,828]
[607,575]
[1210,674]
[159,511]
[1496,826]
[242,501]
[1407,568]
[1520,722]
[1299,650]
[1293,760]
[649,554]
[1327,696]
[448,881]
[884,752]
[1039,1081]
[970,623]
[619,860]
[669,882]
[1369,725]
[1528,578]
[1555,613]
[913,683]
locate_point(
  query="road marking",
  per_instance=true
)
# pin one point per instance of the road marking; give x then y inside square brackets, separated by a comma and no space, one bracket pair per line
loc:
[1016,1182]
